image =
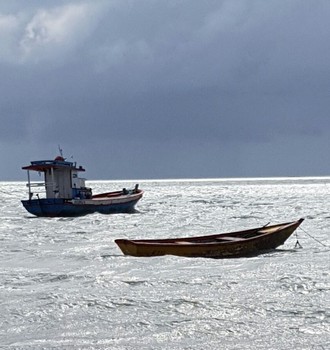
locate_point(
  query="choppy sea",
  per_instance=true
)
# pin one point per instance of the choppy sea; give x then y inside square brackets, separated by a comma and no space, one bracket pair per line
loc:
[64,284]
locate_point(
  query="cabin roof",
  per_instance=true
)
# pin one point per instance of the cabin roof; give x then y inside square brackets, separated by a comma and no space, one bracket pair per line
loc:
[43,165]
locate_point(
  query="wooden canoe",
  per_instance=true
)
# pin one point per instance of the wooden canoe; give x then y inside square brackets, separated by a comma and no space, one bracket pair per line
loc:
[245,243]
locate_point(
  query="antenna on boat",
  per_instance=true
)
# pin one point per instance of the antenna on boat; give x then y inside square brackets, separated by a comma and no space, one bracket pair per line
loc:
[60,150]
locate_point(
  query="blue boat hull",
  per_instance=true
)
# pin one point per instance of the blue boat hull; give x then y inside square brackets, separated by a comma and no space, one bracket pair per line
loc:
[55,207]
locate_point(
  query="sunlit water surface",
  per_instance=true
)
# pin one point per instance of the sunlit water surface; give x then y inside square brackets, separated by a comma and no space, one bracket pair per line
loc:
[64,284]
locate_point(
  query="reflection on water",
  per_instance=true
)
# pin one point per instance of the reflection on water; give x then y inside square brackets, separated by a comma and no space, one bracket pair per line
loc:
[66,285]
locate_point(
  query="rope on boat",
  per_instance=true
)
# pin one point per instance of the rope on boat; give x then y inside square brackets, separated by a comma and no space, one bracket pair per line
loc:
[266,225]
[324,245]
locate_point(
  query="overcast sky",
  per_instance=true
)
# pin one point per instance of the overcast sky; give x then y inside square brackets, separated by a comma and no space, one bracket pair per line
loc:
[166,88]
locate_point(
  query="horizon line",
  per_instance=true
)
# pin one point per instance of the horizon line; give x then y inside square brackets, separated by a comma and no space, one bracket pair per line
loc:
[215,179]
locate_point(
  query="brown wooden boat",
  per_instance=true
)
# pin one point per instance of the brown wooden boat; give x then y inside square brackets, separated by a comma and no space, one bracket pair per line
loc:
[245,243]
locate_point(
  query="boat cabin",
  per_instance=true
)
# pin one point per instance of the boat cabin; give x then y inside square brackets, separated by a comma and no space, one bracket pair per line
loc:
[60,179]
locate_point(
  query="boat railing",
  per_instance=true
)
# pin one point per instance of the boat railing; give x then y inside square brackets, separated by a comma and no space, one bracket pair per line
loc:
[52,162]
[40,187]
[36,184]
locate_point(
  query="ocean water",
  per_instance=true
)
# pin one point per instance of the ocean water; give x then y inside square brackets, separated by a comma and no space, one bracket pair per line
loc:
[64,284]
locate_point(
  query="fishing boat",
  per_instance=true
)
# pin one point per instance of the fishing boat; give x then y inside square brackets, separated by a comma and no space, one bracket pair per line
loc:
[237,244]
[64,194]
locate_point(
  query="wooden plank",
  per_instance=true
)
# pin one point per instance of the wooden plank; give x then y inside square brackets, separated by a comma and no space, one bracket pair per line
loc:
[228,238]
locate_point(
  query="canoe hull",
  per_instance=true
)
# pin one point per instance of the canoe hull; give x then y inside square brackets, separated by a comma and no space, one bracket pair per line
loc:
[55,207]
[213,246]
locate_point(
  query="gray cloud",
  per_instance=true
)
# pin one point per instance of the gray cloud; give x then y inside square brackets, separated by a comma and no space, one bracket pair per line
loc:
[174,89]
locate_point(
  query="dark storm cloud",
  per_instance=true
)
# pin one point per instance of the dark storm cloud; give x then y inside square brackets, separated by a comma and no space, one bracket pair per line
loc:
[201,82]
